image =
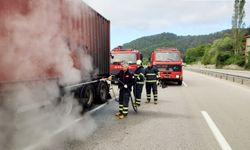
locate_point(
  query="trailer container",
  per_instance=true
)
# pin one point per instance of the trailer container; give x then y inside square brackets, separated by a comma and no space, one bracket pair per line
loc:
[55,26]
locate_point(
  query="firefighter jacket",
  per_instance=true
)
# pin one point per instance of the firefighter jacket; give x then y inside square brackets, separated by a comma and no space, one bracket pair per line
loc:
[139,75]
[125,78]
[151,74]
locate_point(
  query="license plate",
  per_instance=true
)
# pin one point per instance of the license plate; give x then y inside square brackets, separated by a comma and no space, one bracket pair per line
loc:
[167,77]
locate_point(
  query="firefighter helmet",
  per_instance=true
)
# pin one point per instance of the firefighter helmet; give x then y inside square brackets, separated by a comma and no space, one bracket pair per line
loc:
[138,62]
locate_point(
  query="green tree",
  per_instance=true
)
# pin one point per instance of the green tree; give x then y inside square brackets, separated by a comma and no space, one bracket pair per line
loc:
[220,52]
[196,54]
[246,50]
[237,25]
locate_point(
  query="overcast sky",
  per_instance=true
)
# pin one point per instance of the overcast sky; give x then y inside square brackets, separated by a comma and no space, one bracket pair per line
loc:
[131,19]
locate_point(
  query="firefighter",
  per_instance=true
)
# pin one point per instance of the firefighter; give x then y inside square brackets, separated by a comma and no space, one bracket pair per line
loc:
[152,75]
[139,82]
[125,83]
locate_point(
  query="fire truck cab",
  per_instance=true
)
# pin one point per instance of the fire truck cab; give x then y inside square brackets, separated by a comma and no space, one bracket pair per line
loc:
[119,55]
[169,63]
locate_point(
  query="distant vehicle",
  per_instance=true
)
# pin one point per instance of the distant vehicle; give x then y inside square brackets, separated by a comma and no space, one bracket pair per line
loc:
[85,32]
[119,55]
[169,63]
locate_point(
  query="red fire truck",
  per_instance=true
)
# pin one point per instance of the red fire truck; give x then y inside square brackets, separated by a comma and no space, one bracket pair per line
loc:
[119,55]
[169,63]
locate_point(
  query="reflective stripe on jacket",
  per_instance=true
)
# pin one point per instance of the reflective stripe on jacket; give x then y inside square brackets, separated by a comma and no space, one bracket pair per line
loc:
[151,74]
[139,75]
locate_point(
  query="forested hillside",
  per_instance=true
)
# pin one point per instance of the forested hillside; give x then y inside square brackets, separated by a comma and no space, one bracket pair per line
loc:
[149,43]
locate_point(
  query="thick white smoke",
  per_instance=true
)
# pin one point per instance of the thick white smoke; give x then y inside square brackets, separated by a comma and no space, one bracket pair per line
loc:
[36,47]
[32,119]
[37,43]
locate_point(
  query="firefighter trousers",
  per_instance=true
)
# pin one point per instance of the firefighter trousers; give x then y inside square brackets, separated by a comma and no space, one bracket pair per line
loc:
[153,87]
[124,96]
[137,93]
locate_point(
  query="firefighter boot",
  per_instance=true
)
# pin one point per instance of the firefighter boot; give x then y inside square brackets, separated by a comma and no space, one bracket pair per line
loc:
[122,116]
[118,114]
[120,111]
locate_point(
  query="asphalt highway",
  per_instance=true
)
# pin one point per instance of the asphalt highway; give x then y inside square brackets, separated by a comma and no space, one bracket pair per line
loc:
[205,113]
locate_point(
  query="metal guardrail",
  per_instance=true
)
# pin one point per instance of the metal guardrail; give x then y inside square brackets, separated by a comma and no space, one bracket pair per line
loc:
[244,80]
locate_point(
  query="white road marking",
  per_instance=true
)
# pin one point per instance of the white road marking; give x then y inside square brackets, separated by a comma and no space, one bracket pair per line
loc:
[44,139]
[99,107]
[184,83]
[216,132]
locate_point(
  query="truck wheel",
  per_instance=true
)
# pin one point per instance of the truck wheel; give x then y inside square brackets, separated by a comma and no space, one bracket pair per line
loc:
[87,96]
[179,82]
[102,92]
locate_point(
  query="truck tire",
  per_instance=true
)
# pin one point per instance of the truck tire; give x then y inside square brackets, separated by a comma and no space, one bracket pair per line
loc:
[180,82]
[102,92]
[87,96]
